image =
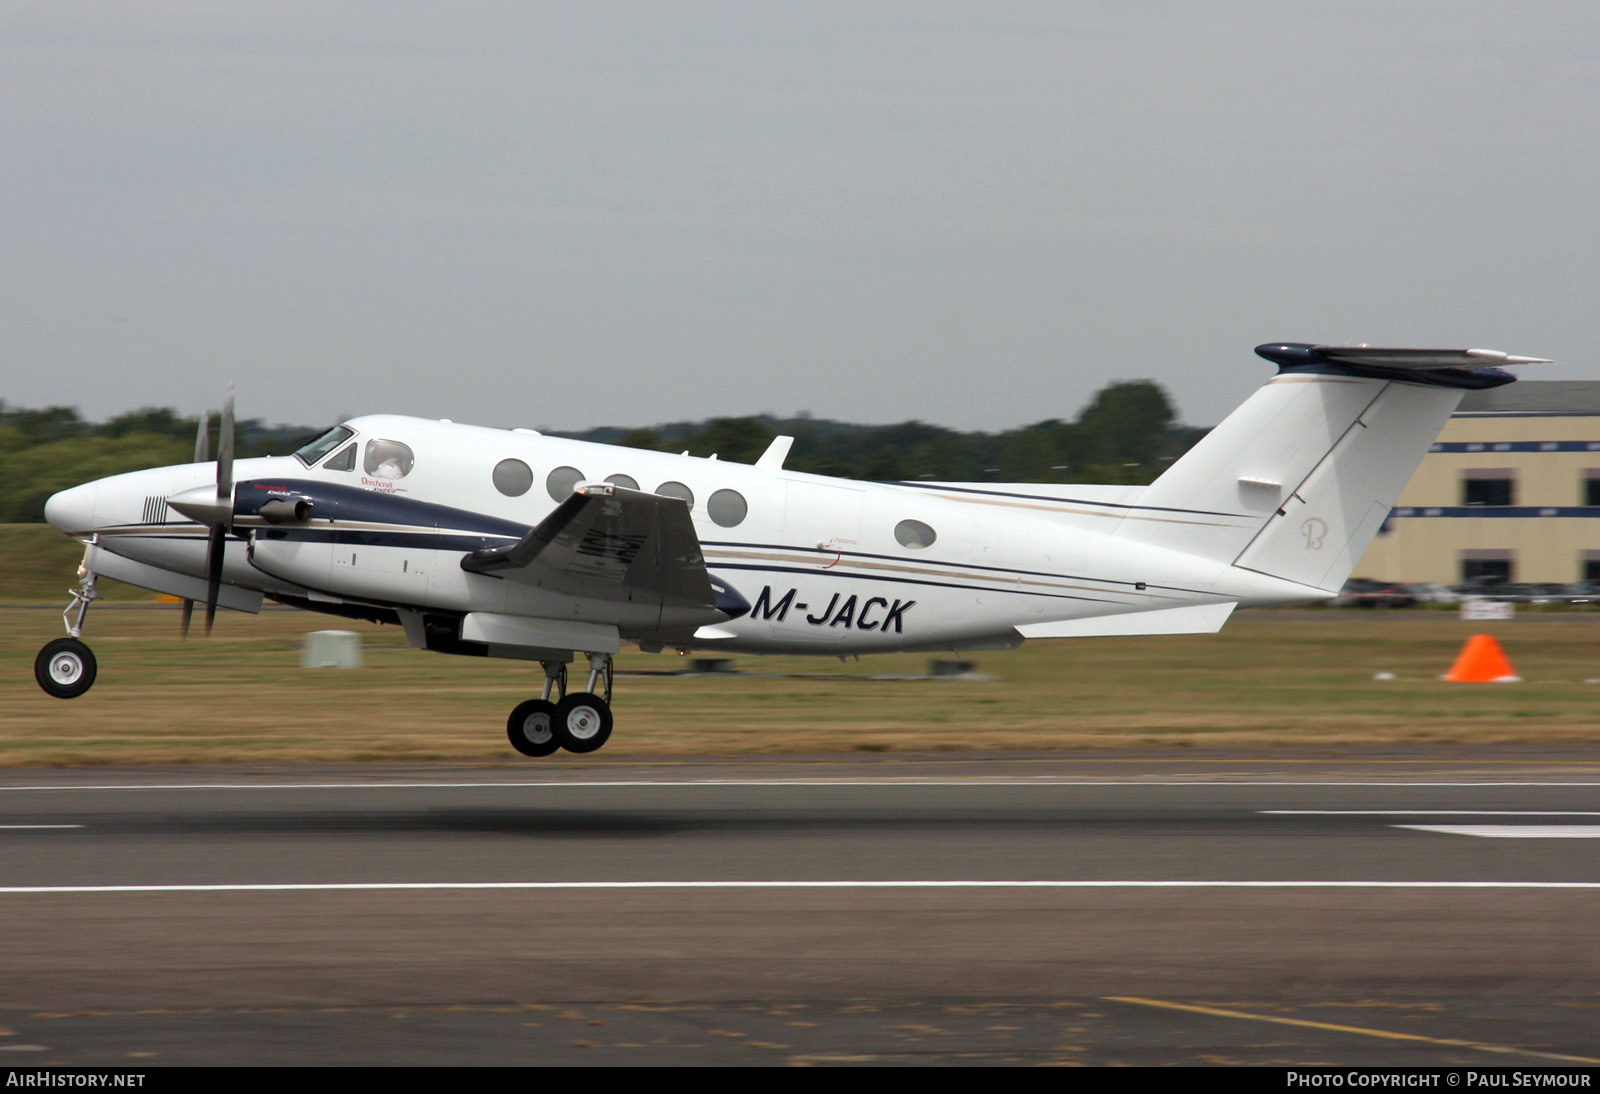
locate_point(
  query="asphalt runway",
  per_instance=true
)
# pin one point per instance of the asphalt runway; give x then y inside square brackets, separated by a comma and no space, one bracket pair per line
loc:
[1435,907]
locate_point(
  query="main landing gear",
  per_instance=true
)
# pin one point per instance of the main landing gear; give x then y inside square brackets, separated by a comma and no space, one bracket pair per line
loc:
[66,667]
[580,722]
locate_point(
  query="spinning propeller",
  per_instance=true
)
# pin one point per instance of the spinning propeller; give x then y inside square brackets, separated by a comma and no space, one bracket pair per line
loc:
[213,508]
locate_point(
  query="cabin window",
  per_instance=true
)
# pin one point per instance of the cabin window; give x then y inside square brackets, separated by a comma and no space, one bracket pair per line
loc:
[312,451]
[676,490]
[627,482]
[559,483]
[513,478]
[914,534]
[727,507]
[344,461]
[388,459]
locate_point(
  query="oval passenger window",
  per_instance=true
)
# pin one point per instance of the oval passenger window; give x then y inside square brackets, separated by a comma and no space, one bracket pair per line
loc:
[676,490]
[561,481]
[914,534]
[727,507]
[513,478]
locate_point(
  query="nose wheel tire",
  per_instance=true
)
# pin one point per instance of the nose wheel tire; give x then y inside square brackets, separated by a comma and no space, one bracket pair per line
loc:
[531,728]
[582,722]
[65,668]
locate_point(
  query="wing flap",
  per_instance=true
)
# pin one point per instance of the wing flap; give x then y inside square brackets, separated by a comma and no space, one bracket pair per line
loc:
[608,543]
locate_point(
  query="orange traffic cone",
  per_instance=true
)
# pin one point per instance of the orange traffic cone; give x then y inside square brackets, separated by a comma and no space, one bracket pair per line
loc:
[1482,661]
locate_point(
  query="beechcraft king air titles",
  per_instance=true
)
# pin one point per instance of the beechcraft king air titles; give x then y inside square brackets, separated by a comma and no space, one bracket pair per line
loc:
[500,543]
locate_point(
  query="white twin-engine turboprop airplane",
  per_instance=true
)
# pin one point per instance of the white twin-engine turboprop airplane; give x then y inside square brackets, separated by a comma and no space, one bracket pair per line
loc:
[511,544]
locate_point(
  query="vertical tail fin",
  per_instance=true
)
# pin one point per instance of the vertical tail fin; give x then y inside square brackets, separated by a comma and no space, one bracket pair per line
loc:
[1297,481]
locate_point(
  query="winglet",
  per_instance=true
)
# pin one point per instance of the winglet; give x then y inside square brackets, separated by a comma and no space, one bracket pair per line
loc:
[772,459]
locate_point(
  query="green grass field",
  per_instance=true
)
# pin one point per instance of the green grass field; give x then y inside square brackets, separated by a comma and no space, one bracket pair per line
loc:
[1300,678]
[41,564]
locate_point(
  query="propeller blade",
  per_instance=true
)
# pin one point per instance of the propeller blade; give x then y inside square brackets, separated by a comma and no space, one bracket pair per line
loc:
[215,548]
[188,615]
[225,448]
[207,505]
[202,439]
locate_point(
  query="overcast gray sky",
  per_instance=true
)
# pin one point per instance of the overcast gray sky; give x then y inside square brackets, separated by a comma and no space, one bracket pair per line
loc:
[975,214]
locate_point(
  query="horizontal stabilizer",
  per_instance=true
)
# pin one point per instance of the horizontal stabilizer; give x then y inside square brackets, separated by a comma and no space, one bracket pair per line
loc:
[1196,619]
[1468,369]
[1425,358]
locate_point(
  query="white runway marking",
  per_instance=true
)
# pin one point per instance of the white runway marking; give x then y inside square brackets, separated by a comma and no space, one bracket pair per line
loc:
[1432,812]
[371,886]
[1365,1031]
[1511,831]
[40,826]
[1486,831]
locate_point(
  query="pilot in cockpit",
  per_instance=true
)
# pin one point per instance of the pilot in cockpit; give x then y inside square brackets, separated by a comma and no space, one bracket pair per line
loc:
[388,459]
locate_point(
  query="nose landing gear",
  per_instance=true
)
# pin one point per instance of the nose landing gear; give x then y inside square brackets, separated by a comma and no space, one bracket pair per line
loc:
[66,667]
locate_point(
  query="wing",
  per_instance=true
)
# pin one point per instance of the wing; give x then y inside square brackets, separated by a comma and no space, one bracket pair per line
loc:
[608,543]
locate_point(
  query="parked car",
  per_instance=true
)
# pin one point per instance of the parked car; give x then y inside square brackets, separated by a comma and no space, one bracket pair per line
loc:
[1585,593]
[1527,592]
[1361,592]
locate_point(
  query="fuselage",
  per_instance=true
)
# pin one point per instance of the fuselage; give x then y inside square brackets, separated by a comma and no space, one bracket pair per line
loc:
[826,565]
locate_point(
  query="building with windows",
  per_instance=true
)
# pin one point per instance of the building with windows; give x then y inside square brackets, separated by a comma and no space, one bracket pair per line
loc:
[1510,492]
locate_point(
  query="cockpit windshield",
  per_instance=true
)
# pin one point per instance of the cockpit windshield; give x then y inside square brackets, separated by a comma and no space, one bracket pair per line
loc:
[313,451]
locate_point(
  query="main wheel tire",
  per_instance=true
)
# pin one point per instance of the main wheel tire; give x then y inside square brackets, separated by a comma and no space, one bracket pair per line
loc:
[530,728]
[65,668]
[582,722]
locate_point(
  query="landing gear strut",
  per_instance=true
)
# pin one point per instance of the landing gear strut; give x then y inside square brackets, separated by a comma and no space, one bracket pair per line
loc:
[66,667]
[580,722]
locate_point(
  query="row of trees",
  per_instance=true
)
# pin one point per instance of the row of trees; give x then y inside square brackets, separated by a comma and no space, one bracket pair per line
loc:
[1126,434]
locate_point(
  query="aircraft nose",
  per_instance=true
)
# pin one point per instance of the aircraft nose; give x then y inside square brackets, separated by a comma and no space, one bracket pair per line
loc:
[72,511]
